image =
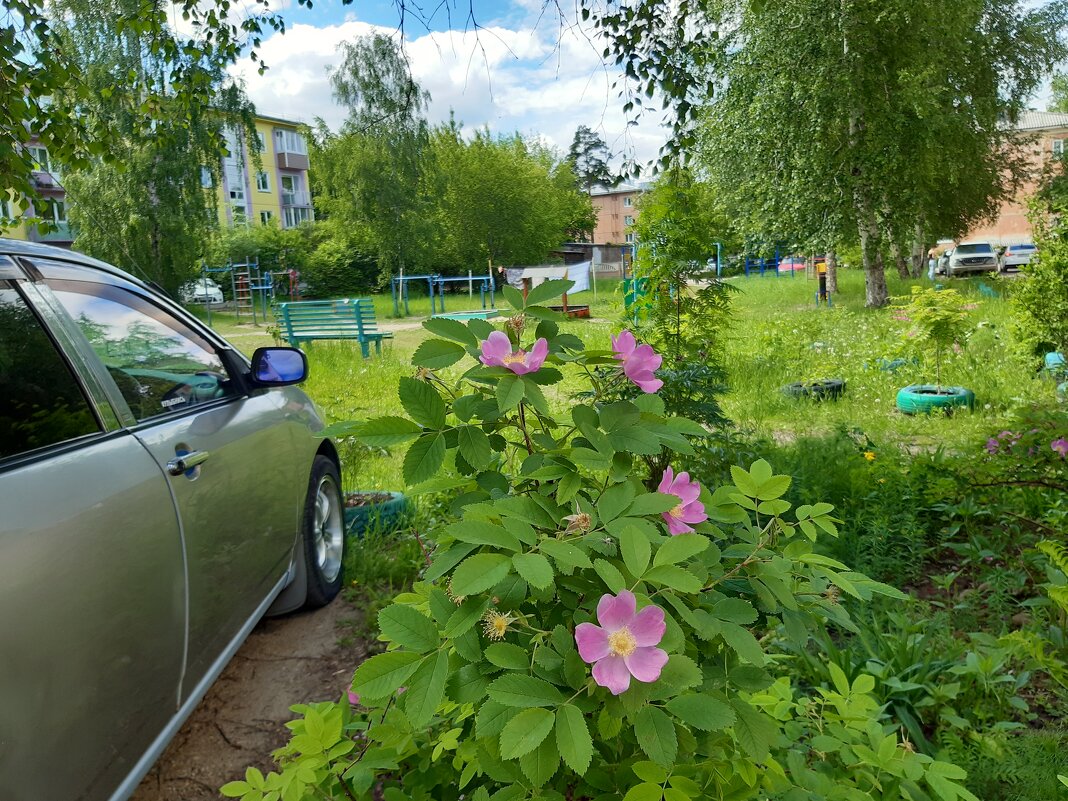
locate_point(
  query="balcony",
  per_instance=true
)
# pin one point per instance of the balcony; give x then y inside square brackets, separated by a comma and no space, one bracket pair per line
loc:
[45,179]
[288,160]
[296,197]
[60,233]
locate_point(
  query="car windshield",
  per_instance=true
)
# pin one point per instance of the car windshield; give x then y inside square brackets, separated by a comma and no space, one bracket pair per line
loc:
[1020,248]
[979,247]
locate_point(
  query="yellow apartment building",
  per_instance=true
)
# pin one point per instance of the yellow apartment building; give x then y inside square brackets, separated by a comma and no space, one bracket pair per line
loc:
[276,191]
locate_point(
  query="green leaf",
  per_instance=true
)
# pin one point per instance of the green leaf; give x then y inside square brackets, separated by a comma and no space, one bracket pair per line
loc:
[736,610]
[548,290]
[426,690]
[614,501]
[635,549]
[644,792]
[742,641]
[656,735]
[535,568]
[649,772]
[744,482]
[565,553]
[451,329]
[535,397]
[465,617]
[509,392]
[506,655]
[437,353]
[524,691]
[681,672]
[446,560]
[480,532]
[424,458]
[754,730]
[474,446]
[235,789]
[525,731]
[541,763]
[674,577]
[385,431]
[635,440]
[573,738]
[513,296]
[491,719]
[774,487]
[701,711]
[380,675]
[422,402]
[680,548]
[480,572]
[408,628]
[653,503]
[610,575]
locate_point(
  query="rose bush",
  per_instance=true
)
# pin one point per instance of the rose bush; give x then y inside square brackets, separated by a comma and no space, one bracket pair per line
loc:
[578,637]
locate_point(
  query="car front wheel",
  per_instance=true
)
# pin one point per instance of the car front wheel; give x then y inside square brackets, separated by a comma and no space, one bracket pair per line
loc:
[324,534]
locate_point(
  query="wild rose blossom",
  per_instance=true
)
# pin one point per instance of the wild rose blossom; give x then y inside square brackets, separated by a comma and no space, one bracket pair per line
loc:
[1060,446]
[354,698]
[639,361]
[497,352]
[624,645]
[992,445]
[689,511]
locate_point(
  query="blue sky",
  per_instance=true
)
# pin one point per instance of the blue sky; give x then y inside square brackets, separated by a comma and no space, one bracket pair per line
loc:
[522,70]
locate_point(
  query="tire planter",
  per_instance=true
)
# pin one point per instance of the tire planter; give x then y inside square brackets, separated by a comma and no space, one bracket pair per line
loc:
[374,511]
[823,389]
[924,398]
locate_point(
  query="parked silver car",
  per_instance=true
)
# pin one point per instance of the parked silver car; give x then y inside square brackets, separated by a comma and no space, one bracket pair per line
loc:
[159,493]
[1017,256]
[203,290]
[972,257]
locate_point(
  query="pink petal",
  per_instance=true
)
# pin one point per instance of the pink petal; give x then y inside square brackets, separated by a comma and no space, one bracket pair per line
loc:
[645,664]
[592,642]
[649,385]
[694,512]
[612,673]
[675,525]
[354,698]
[616,611]
[623,345]
[665,481]
[648,626]
[536,357]
[494,348]
[519,368]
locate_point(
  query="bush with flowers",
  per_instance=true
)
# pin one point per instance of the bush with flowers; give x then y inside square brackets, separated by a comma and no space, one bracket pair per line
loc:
[576,636]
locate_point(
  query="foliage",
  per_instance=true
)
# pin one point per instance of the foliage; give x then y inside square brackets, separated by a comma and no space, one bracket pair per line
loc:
[343,262]
[554,524]
[1041,301]
[589,157]
[938,320]
[275,248]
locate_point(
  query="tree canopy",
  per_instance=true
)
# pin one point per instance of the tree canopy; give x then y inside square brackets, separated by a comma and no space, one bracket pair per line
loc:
[589,158]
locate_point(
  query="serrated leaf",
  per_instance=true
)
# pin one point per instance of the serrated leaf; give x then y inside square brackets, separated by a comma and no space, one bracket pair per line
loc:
[510,392]
[656,735]
[742,641]
[479,572]
[424,458]
[535,568]
[610,575]
[525,731]
[382,432]
[548,290]
[680,548]
[491,718]
[426,690]
[736,610]
[565,553]
[513,296]
[701,711]
[451,329]
[524,691]
[573,738]
[380,675]
[474,446]
[635,550]
[422,402]
[437,353]
[480,532]
[774,487]
[649,772]
[744,482]
[644,792]
[754,730]
[614,501]
[674,577]
[506,655]
[541,763]
[681,672]
[465,617]
[653,503]
[408,628]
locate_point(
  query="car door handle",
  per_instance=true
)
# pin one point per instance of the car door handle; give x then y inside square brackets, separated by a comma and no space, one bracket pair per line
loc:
[185,462]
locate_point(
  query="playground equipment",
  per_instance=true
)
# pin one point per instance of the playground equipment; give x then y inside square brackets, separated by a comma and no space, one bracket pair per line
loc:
[250,287]
[485,287]
[398,287]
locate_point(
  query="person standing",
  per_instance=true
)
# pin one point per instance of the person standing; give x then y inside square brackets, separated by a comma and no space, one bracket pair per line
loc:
[932,260]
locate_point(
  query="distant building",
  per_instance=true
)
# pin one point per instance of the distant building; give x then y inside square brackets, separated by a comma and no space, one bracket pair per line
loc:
[1044,135]
[277,192]
[617,211]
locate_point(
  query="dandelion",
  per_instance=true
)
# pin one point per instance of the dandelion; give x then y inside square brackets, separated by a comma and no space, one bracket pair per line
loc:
[624,645]
[688,510]
[640,362]
[869,455]
[497,352]
[495,624]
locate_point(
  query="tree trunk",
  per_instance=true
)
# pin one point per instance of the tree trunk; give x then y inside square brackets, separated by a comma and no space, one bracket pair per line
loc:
[832,272]
[899,257]
[875,292]
[919,251]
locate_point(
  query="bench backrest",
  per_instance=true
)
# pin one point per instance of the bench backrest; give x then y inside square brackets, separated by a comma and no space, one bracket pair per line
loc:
[335,316]
[365,313]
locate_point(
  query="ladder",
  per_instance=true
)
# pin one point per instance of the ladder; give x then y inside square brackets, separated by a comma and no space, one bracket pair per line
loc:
[241,283]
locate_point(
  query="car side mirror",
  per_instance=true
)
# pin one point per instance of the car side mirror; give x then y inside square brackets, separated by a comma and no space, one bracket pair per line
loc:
[278,367]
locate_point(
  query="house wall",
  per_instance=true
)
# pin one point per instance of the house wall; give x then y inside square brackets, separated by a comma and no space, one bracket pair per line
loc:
[612,213]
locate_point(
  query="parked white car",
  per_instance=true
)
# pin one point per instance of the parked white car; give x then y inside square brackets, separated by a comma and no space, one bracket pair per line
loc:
[972,257]
[203,290]
[1016,256]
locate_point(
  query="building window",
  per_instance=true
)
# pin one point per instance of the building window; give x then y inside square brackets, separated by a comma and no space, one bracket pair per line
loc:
[262,140]
[1058,147]
[263,182]
[628,201]
[238,193]
[265,217]
[239,214]
[40,157]
[55,211]
[290,142]
[206,180]
[295,215]
[289,183]
[628,220]
[629,238]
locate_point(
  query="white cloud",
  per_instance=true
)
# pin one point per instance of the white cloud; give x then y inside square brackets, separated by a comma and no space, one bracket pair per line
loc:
[546,80]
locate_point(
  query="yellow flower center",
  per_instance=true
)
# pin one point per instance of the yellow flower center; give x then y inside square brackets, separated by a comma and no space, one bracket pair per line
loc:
[622,642]
[496,625]
[677,512]
[514,358]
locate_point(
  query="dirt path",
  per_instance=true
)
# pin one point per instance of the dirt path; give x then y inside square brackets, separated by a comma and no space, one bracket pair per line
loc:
[285,661]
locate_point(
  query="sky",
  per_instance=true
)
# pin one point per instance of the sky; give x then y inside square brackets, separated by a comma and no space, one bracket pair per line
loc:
[517,67]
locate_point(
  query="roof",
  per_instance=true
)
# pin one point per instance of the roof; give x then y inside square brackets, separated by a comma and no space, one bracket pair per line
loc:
[279,120]
[623,188]
[1041,120]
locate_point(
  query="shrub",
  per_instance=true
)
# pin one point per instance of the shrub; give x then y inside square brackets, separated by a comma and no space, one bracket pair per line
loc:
[577,636]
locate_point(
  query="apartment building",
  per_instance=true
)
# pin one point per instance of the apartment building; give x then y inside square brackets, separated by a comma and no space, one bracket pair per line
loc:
[617,210]
[274,191]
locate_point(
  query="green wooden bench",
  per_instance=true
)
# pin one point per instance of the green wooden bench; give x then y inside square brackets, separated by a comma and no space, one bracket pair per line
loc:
[307,320]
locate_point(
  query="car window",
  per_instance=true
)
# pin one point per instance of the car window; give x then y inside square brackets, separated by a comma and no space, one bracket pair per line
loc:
[979,247]
[159,364]
[41,403]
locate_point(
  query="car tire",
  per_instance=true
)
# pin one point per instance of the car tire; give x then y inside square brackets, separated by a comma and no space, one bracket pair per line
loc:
[324,534]
[925,398]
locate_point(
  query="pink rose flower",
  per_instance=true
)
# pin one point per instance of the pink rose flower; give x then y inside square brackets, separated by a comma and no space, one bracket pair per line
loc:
[497,352]
[992,445]
[354,698]
[624,644]
[1060,446]
[689,510]
[639,361]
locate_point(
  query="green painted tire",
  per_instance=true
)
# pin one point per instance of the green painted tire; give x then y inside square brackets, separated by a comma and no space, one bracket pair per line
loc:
[924,398]
[823,389]
[382,516]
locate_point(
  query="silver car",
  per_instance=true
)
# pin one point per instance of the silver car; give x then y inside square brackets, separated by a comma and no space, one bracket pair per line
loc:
[972,257]
[159,493]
